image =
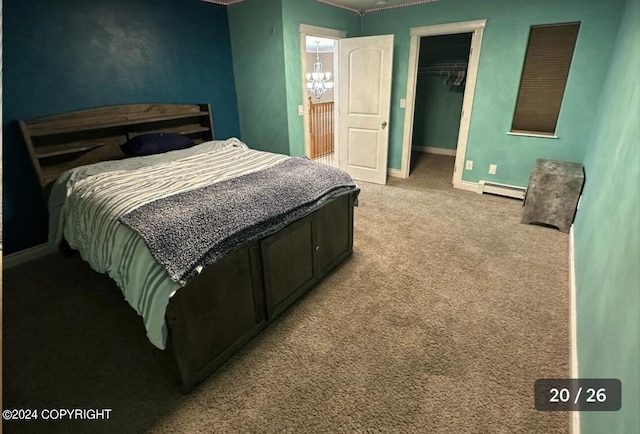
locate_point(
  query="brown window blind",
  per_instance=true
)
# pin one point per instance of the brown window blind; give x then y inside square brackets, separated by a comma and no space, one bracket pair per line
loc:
[544,77]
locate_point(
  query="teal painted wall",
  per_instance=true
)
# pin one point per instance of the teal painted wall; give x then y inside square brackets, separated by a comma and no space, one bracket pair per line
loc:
[296,12]
[501,59]
[259,65]
[64,55]
[607,238]
[436,118]
[265,40]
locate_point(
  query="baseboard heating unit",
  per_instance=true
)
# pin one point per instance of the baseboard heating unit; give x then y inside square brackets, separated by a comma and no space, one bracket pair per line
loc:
[501,189]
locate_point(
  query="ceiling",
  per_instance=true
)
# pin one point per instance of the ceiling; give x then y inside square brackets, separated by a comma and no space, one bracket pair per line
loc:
[372,5]
[353,5]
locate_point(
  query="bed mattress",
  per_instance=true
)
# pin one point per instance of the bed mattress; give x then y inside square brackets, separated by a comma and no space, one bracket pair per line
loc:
[86,203]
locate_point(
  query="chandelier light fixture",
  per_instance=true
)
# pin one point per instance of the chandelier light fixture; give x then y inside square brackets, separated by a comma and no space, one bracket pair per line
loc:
[318,82]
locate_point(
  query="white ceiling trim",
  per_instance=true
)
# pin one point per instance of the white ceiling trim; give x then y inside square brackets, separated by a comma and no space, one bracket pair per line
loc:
[330,3]
[223,2]
[381,5]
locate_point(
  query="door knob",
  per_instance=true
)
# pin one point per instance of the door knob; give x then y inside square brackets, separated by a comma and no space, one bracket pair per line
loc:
[384,124]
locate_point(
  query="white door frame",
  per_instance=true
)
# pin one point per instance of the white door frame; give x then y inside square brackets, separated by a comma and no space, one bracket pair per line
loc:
[308,30]
[476,27]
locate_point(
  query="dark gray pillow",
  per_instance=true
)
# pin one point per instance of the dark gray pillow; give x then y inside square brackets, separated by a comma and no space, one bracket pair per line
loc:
[155,143]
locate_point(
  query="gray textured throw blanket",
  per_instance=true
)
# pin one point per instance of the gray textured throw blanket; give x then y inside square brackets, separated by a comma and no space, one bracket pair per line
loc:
[191,230]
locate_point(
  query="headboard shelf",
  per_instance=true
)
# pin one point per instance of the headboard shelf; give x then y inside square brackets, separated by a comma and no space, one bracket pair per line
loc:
[89,124]
[61,142]
[50,154]
[180,130]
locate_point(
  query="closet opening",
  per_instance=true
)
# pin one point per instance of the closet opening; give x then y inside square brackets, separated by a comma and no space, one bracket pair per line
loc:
[439,94]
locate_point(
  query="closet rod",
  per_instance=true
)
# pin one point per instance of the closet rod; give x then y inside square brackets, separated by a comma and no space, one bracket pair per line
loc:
[443,67]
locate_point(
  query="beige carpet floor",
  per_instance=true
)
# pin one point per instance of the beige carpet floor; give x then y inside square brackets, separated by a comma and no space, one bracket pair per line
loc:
[442,320]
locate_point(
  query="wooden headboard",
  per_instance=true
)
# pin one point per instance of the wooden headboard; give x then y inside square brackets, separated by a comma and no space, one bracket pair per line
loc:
[61,142]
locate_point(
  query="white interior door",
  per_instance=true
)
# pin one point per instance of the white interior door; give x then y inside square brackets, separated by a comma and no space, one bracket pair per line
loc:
[364,89]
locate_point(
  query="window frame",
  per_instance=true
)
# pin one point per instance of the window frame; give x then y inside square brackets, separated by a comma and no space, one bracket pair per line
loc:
[544,102]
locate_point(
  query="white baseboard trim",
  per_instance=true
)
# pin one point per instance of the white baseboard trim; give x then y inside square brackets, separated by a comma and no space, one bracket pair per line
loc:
[26,255]
[501,189]
[573,324]
[481,188]
[396,173]
[434,150]
[467,186]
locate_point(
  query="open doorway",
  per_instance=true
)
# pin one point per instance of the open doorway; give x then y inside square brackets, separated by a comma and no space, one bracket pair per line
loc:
[439,93]
[476,29]
[361,136]
[308,57]
[320,82]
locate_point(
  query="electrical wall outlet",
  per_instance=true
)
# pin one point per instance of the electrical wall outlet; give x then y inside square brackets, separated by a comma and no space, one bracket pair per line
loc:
[493,168]
[300,110]
[469,165]
[403,103]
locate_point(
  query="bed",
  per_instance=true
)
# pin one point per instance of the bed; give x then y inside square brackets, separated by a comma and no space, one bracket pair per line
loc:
[265,234]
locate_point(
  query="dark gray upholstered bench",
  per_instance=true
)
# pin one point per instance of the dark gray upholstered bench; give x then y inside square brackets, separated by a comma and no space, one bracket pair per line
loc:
[553,193]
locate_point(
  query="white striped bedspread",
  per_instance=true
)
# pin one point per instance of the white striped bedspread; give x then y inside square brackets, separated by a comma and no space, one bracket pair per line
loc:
[97,196]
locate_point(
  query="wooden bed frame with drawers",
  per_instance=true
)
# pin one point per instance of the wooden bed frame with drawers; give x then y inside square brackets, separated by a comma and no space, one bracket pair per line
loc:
[216,313]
